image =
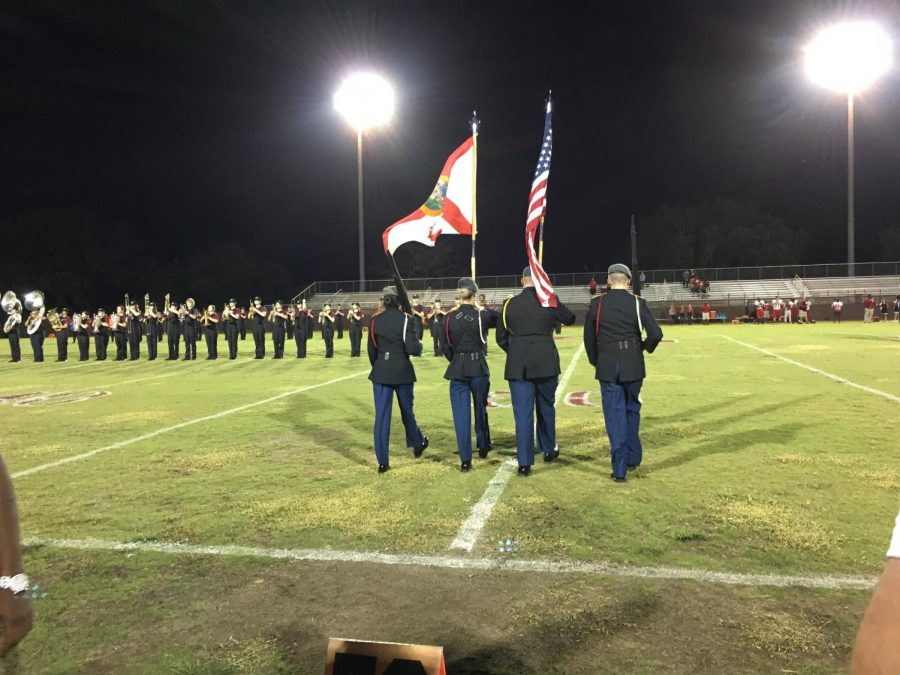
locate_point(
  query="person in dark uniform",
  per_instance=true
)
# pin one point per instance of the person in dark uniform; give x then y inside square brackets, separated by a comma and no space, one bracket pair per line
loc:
[326,325]
[61,328]
[339,321]
[134,331]
[493,316]
[152,328]
[392,340]
[35,330]
[614,342]
[418,312]
[463,343]
[232,316]
[310,322]
[242,322]
[300,329]
[436,326]
[190,329]
[258,324]
[210,326]
[120,333]
[82,326]
[100,329]
[355,317]
[525,333]
[278,317]
[173,330]
[289,324]
[12,327]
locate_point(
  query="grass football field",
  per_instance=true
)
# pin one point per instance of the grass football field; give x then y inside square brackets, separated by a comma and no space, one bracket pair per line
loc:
[763,482]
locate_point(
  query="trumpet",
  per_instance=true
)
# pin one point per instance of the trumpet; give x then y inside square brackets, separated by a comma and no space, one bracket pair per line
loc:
[205,318]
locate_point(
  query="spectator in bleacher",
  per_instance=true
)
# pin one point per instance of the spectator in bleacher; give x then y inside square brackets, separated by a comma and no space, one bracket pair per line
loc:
[705,310]
[643,278]
[897,308]
[868,308]
[802,307]
[759,311]
[704,287]
[696,285]
[777,308]
[836,308]
[592,286]
[673,314]
[794,314]
[689,315]
[686,278]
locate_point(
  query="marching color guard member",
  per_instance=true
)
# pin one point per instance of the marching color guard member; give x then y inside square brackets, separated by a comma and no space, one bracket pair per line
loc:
[525,333]
[232,316]
[278,317]
[210,327]
[173,330]
[326,321]
[258,324]
[120,333]
[134,330]
[191,329]
[152,328]
[300,328]
[11,328]
[436,324]
[100,328]
[356,317]
[392,340]
[339,321]
[82,326]
[615,345]
[463,343]
[61,327]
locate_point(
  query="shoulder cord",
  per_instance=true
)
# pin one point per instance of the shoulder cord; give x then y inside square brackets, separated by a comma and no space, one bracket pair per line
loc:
[480,330]
[372,332]
[505,325]
[637,307]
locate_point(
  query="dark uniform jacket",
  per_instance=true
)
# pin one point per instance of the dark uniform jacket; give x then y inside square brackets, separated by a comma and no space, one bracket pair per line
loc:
[525,333]
[463,342]
[390,348]
[618,343]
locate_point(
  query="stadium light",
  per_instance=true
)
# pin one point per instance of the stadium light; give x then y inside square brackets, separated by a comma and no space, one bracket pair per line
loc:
[365,100]
[848,58]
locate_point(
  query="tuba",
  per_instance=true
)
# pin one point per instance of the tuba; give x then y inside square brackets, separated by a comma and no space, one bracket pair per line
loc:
[35,300]
[9,302]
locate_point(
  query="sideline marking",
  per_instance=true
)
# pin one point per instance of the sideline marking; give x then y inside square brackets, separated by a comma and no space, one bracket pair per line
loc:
[181,425]
[470,529]
[607,569]
[823,373]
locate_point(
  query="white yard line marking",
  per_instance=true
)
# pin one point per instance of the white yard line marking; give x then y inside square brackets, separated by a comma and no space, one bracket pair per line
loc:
[606,569]
[470,530]
[181,425]
[817,371]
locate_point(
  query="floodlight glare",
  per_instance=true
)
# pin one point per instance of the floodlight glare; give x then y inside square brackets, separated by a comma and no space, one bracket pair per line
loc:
[848,57]
[365,100]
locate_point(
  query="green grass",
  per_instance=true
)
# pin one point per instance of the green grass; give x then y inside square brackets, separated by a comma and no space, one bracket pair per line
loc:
[751,465]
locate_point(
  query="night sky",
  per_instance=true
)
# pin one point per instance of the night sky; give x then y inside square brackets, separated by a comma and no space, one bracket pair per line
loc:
[183,126]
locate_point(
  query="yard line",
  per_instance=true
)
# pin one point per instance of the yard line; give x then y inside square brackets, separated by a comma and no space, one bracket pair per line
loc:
[823,373]
[605,569]
[182,425]
[470,530]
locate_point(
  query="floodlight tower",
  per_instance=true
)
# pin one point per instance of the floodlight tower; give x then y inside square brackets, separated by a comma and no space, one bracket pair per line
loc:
[847,58]
[365,100]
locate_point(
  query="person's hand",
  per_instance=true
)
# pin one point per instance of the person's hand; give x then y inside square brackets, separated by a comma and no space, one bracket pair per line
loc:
[15,620]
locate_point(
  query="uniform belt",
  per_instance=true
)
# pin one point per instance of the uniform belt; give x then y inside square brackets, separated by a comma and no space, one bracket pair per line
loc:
[469,356]
[620,345]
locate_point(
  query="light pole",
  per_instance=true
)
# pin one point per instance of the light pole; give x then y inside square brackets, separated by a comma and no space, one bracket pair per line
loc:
[847,58]
[365,100]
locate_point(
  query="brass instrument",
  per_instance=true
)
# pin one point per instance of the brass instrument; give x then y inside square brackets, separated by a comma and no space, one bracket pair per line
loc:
[9,302]
[53,318]
[205,318]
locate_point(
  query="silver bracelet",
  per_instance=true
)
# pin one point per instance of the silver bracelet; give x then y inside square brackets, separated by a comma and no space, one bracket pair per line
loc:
[17,584]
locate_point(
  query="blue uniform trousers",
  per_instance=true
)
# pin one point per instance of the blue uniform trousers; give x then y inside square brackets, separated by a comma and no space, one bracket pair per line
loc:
[464,395]
[384,402]
[529,396]
[622,413]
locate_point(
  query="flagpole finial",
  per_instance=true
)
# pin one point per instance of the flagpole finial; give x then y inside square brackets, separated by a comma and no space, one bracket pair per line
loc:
[475,122]
[549,100]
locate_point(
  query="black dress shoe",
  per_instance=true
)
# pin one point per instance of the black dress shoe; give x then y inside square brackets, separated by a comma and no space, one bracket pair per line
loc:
[524,471]
[483,452]
[417,452]
[617,478]
[383,468]
[465,466]
[550,456]
[631,467]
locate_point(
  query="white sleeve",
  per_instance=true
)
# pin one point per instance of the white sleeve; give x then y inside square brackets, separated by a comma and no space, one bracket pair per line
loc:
[894,550]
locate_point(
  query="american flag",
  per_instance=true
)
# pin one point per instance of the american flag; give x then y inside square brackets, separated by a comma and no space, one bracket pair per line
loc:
[537,207]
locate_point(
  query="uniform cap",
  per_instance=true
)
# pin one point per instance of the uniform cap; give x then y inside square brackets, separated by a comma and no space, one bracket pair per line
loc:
[468,283]
[619,268]
[527,271]
[390,290]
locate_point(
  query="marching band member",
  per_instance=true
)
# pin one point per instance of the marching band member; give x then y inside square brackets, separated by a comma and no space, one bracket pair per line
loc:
[190,318]
[210,323]
[120,333]
[11,328]
[418,312]
[242,322]
[300,328]
[35,330]
[392,340]
[82,327]
[278,317]
[173,330]
[339,321]
[133,313]
[355,317]
[61,326]
[258,322]
[100,329]
[463,343]
[232,316]
[152,327]
[310,322]
[326,321]
[436,324]
[289,324]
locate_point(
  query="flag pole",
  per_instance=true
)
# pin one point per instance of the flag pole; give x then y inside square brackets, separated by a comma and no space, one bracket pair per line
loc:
[541,226]
[474,122]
